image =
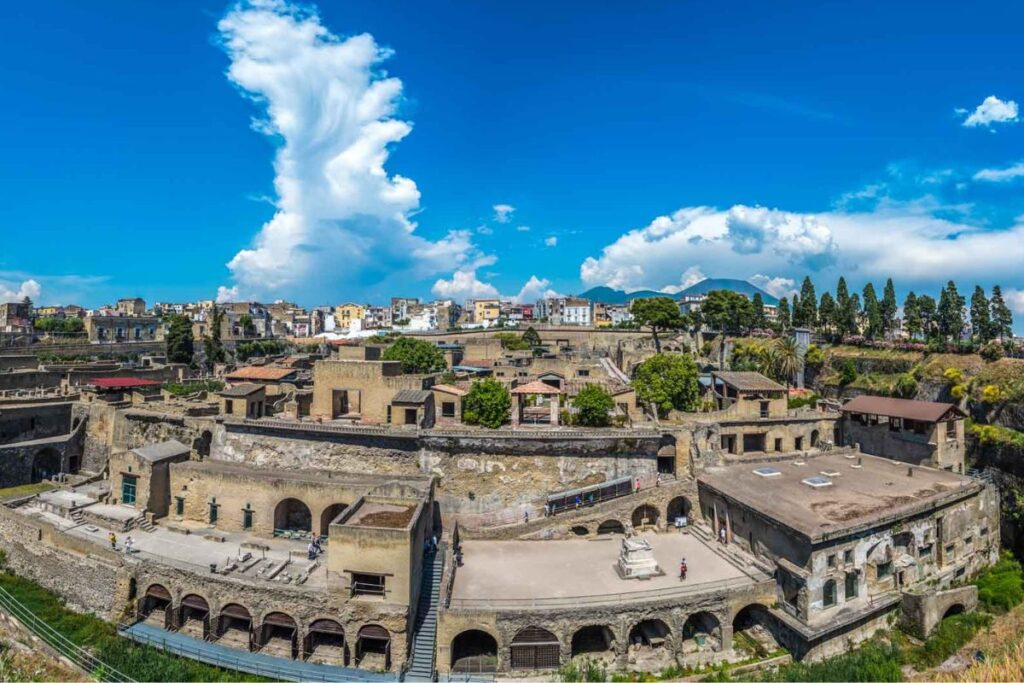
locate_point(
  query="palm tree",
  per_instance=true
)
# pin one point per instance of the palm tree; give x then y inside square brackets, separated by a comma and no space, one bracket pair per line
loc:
[788,358]
[768,362]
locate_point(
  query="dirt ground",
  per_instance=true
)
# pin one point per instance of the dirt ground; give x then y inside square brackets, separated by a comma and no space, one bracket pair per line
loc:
[19,662]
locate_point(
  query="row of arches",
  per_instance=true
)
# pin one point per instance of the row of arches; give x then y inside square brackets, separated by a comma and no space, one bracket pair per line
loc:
[643,516]
[534,647]
[291,514]
[278,634]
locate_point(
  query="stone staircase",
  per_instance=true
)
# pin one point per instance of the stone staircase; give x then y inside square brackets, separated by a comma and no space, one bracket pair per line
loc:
[421,662]
[140,522]
[732,553]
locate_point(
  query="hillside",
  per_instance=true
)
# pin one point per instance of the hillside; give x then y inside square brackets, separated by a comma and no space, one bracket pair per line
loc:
[607,295]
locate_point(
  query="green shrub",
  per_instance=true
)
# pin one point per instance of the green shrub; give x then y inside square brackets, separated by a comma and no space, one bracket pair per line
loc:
[950,635]
[186,388]
[801,401]
[906,386]
[415,355]
[488,403]
[139,662]
[592,405]
[847,371]
[259,347]
[585,669]
[815,357]
[873,661]
[1001,586]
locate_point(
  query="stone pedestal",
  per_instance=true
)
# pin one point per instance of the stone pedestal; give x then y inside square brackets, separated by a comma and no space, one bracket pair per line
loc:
[636,560]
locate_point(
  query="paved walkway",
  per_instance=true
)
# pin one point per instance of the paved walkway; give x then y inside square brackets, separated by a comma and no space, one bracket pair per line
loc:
[581,571]
[239,660]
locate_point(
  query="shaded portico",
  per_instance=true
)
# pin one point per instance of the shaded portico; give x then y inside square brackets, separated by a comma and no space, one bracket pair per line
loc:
[521,413]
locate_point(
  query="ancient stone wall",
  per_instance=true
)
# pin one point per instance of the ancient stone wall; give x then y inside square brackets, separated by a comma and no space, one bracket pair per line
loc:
[82,573]
[39,421]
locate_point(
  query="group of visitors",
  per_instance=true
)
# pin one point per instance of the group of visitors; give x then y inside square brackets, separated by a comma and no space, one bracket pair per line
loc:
[129,543]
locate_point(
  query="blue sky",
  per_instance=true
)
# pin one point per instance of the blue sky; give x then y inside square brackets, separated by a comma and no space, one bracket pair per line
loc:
[642,147]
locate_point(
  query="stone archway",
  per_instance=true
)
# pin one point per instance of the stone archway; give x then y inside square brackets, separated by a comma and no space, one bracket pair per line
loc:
[194,616]
[535,648]
[755,631]
[291,514]
[595,641]
[610,526]
[325,643]
[46,464]
[473,652]
[644,516]
[679,506]
[702,632]
[329,514]
[279,635]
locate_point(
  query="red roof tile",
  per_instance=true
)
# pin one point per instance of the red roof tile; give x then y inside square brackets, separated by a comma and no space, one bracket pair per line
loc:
[120,382]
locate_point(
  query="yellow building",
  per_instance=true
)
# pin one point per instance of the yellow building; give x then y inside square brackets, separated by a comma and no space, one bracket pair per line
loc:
[345,314]
[486,309]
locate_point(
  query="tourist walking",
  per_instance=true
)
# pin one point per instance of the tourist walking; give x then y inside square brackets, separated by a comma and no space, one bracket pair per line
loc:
[721,535]
[526,516]
[682,569]
[311,551]
[113,540]
[129,543]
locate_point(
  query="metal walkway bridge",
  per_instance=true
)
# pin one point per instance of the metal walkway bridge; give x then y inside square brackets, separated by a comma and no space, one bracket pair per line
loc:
[239,660]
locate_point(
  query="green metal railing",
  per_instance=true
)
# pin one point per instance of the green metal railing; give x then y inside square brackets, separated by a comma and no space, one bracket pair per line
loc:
[81,657]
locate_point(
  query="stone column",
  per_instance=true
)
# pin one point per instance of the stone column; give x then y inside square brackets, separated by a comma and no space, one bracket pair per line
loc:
[515,410]
[726,637]
[554,410]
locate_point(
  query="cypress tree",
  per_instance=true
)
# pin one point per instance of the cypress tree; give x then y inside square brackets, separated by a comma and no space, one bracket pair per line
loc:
[1002,319]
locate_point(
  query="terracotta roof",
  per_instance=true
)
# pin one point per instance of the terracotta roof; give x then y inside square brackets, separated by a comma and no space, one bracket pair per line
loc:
[449,389]
[121,382]
[923,411]
[536,387]
[749,381]
[268,373]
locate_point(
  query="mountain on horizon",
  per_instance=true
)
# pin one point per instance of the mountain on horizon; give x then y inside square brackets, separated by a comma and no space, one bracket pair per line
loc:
[608,295]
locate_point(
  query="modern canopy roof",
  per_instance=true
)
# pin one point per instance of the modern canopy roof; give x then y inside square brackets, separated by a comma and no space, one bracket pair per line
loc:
[411,396]
[258,372]
[536,387]
[121,382]
[906,409]
[162,451]
[748,381]
[239,390]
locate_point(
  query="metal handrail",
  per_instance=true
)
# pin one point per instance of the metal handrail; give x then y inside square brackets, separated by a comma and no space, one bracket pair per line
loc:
[240,663]
[81,657]
[606,599]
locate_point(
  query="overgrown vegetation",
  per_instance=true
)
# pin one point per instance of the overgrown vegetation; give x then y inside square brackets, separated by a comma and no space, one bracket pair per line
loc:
[259,347]
[874,661]
[1001,586]
[593,405]
[669,381]
[13,492]
[415,355]
[584,669]
[488,404]
[179,339]
[140,662]
[810,400]
[186,388]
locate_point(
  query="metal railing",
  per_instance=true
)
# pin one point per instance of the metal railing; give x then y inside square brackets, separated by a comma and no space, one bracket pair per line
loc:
[81,657]
[569,602]
[210,653]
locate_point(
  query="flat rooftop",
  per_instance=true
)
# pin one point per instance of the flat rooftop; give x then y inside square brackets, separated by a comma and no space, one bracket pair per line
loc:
[853,497]
[192,551]
[580,571]
[382,515]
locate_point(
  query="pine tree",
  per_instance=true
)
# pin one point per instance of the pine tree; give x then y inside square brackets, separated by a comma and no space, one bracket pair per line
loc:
[1002,319]
[852,315]
[981,321]
[809,304]
[872,312]
[760,321]
[927,309]
[888,308]
[796,312]
[912,323]
[951,313]
[827,312]
[783,315]
[842,307]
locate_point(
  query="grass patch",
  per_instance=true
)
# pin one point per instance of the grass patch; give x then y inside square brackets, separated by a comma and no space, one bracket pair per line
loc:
[186,388]
[950,635]
[140,662]
[12,492]
[876,660]
[1001,586]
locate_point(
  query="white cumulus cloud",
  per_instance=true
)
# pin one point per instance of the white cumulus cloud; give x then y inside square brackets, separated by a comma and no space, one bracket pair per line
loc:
[15,292]
[1015,300]
[503,212]
[776,286]
[227,294]
[901,240]
[690,277]
[341,221]
[1000,175]
[463,285]
[992,110]
[534,289]
[551,241]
